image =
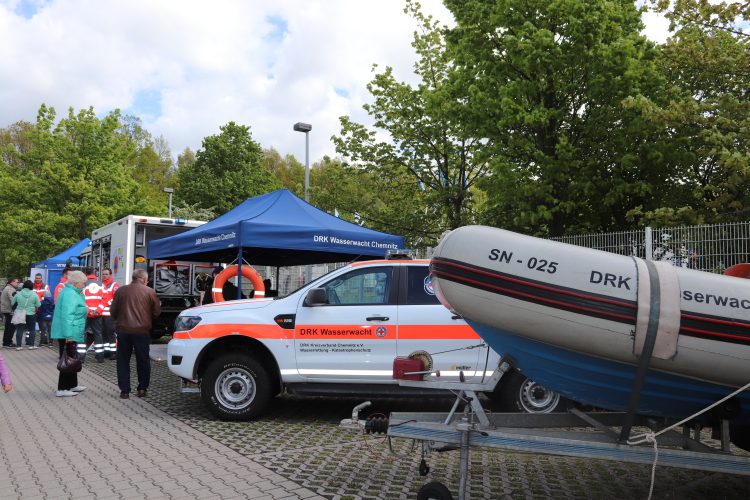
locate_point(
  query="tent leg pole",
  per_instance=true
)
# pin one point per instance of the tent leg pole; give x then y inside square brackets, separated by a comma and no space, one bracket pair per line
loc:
[239,274]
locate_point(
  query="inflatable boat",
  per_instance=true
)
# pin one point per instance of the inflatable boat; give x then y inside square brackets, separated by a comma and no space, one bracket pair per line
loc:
[581,322]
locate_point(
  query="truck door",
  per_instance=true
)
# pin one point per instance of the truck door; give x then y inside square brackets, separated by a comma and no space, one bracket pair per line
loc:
[426,325]
[354,336]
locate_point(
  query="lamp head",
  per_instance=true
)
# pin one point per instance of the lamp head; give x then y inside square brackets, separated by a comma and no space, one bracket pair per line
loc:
[302,127]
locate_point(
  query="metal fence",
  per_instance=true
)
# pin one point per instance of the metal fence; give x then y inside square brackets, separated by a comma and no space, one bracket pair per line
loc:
[711,247]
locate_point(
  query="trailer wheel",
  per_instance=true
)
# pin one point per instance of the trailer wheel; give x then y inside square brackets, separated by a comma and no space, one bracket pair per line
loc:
[739,435]
[235,387]
[517,393]
[434,491]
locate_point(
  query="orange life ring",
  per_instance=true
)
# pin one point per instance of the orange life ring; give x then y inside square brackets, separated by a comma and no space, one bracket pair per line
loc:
[230,272]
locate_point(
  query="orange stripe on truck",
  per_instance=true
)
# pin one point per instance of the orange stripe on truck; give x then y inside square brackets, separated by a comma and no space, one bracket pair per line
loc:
[221,330]
[436,332]
[301,332]
[404,262]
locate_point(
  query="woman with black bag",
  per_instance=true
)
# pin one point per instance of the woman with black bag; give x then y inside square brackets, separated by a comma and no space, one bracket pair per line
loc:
[68,326]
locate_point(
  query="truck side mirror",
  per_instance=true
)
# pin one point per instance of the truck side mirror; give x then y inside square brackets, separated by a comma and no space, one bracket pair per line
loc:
[316,297]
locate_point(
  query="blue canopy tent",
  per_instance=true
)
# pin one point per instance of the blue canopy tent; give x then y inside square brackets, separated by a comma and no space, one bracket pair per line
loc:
[55,265]
[276,229]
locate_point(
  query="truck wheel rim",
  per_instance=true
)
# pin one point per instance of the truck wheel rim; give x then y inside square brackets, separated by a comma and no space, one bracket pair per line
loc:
[235,388]
[536,398]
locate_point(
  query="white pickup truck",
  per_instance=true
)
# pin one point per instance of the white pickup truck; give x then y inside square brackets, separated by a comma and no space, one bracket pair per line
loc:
[337,335]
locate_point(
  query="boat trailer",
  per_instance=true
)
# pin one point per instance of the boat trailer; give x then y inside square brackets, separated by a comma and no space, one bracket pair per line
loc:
[593,435]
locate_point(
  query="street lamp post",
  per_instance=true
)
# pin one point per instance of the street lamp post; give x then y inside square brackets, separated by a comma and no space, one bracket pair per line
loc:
[169,191]
[306,128]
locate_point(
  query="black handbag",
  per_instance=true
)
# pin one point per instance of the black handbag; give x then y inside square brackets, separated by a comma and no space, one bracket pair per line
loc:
[69,361]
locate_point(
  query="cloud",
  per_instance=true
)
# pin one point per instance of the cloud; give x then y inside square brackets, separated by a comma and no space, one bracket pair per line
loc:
[186,67]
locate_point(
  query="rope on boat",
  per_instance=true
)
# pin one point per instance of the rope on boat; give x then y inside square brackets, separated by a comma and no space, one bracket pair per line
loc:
[650,437]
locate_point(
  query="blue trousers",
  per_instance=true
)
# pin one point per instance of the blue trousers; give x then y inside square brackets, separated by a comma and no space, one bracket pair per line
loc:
[30,327]
[126,344]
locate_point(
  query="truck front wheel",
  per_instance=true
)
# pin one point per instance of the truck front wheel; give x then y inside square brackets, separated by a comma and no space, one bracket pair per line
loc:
[235,387]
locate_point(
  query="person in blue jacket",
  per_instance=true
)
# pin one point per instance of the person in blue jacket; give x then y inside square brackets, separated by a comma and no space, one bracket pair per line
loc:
[44,317]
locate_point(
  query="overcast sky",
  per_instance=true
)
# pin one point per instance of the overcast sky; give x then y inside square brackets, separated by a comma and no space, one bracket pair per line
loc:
[186,67]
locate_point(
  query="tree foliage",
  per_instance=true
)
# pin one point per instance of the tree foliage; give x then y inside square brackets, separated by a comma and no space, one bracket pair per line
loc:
[428,138]
[227,170]
[546,83]
[287,170]
[60,180]
[707,67]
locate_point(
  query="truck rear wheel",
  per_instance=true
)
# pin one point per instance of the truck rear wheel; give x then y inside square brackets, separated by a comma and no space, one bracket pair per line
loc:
[517,393]
[235,387]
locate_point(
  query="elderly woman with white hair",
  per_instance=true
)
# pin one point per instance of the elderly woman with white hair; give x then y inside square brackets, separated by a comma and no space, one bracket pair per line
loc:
[68,325]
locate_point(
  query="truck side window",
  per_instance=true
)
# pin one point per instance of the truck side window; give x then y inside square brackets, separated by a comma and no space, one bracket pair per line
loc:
[419,287]
[361,287]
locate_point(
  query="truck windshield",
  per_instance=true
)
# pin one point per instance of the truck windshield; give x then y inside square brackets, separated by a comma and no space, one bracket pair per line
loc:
[316,280]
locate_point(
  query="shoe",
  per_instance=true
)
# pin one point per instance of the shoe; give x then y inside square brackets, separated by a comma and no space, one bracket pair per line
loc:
[19,348]
[141,393]
[63,394]
[33,347]
[79,388]
[8,346]
[124,395]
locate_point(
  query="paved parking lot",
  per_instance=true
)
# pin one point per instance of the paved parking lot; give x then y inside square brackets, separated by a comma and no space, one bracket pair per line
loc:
[299,439]
[97,446]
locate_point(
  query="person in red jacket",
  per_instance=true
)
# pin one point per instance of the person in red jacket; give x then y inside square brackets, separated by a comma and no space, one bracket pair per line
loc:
[109,287]
[93,294]
[39,286]
[61,285]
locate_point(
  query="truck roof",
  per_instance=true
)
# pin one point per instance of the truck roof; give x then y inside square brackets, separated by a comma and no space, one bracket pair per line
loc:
[146,219]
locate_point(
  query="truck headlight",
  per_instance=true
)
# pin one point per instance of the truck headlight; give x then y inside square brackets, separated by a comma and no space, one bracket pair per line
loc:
[185,323]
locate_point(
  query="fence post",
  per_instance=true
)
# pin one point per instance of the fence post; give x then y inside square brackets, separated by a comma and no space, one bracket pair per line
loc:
[649,243]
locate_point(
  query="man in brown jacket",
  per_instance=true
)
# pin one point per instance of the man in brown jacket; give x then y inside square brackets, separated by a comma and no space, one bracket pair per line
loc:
[134,308]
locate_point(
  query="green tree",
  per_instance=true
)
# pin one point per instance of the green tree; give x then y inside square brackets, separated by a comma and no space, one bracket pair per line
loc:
[289,172]
[707,65]
[194,212]
[151,165]
[227,170]
[546,81]
[382,200]
[60,181]
[428,137]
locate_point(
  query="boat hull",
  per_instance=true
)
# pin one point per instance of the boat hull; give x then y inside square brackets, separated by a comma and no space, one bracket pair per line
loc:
[607,384]
[568,317]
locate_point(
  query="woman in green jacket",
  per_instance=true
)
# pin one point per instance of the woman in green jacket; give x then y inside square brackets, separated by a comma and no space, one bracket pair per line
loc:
[68,325]
[28,300]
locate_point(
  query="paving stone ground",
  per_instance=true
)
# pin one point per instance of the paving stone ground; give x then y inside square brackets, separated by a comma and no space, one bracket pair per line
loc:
[97,446]
[300,440]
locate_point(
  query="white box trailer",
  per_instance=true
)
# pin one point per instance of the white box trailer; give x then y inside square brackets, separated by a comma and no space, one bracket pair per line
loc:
[122,246]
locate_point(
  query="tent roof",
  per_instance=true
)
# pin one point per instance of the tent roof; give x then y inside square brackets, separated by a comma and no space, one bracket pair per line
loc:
[59,260]
[276,229]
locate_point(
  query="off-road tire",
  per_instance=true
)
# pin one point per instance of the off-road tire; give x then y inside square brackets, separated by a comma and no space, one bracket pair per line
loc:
[434,491]
[235,387]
